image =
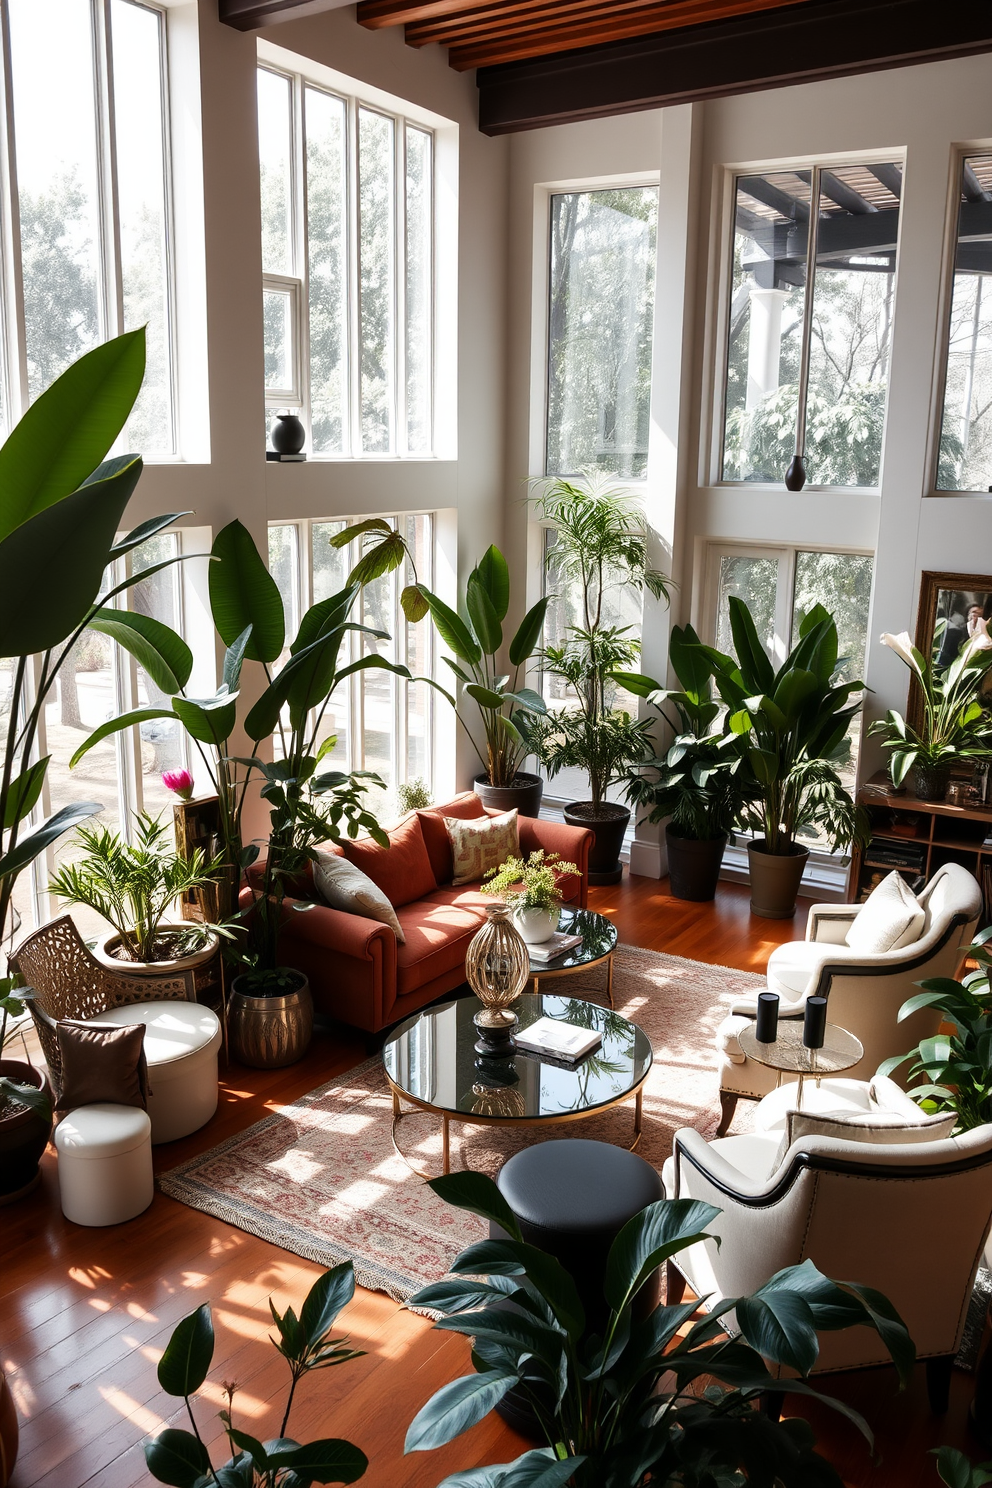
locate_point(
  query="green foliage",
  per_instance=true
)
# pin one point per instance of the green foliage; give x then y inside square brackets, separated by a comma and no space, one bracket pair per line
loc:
[133,886]
[530,883]
[475,635]
[791,729]
[956,1470]
[181,1457]
[954,724]
[701,782]
[413,795]
[953,1071]
[617,1408]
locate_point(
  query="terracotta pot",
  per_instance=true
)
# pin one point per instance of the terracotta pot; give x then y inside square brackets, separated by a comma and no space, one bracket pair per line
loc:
[775,880]
[525,794]
[269,1032]
[694,867]
[609,827]
[23,1135]
[9,1432]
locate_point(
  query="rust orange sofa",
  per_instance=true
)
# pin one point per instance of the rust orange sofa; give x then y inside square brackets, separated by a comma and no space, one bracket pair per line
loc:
[358,971]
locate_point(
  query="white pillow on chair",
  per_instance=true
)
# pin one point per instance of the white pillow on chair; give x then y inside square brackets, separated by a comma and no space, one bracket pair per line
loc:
[891,917]
[878,1126]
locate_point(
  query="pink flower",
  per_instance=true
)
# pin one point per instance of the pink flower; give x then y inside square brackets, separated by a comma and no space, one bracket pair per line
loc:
[180,781]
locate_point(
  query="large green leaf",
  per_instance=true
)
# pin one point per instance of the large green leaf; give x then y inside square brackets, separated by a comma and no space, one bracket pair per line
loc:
[24,792]
[210,720]
[485,621]
[494,576]
[176,1457]
[243,593]
[51,566]
[68,430]
[515,1258]
[752,658]
[637,683]
[183,1367]
[537,1469]
[327,1461]
[456,1407]
[528,633]
[29,847]
[477,1193]
[651,1237]
[115,726]
[515,1333]
[779,1324]
[485,697]
[145,530]
[164,655]
[453,631]
[325,1300]
[233,657]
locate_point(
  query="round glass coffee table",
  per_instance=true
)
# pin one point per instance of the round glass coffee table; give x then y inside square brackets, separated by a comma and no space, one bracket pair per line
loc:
[790,1056]
[431,1063]
[599,941]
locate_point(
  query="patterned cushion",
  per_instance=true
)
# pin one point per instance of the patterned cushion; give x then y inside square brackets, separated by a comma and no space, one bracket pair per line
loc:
[478,846]
[467,805]
[342,885]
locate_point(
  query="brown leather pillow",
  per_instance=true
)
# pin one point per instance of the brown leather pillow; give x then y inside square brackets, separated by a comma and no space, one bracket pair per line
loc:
[102,1062]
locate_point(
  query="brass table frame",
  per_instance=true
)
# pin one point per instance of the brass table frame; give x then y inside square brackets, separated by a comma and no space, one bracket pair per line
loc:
[798,1054]
[473,1118]
[562,971]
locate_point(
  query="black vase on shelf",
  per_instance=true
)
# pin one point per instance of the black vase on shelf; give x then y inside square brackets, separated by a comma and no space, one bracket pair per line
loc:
[288,434]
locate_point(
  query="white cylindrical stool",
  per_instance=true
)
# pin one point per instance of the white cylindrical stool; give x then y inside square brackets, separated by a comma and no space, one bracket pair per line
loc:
[105,1164]
[181,1044]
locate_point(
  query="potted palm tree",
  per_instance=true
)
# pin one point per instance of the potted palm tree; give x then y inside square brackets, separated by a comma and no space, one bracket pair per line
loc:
[504,703]
[791,727]
[698,785]
[600,548]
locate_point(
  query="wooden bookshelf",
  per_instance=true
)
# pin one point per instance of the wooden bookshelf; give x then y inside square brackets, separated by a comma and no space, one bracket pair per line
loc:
[917,837]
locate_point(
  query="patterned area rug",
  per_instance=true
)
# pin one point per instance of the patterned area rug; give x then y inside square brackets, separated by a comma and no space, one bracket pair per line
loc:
[320,1177]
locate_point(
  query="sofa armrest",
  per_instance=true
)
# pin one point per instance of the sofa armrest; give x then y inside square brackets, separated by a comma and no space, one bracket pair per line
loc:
[829,923]
[572,844]
[334,930]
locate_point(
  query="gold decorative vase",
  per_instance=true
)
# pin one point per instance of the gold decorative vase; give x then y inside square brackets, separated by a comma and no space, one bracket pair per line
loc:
[497,966]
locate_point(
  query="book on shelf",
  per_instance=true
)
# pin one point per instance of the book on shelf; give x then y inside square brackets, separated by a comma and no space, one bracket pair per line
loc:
[986,894]
[559,943]
[559,1040]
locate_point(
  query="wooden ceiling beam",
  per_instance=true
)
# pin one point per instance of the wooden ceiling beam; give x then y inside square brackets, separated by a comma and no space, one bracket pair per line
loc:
[522,20]
[376,14]
[601,27]
[249,15]
[800,43]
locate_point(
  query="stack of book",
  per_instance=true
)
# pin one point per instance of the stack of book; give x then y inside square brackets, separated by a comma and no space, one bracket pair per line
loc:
[910,856]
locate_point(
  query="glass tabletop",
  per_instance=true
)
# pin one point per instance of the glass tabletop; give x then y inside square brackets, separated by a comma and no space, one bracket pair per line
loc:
[841,1050]
[599,938]
[432,1058]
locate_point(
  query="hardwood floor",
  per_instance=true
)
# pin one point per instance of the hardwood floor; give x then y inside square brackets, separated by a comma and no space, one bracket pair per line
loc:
[84,1314]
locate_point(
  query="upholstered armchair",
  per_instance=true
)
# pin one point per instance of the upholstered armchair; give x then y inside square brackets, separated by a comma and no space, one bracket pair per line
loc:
[864,991]
[857,1210]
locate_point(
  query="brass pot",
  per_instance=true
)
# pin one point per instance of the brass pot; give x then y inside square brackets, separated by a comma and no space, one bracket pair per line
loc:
[269,1032]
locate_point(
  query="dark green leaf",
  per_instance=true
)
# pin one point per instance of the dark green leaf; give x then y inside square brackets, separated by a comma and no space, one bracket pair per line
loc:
[525,641]
[326,1297]
[176,1457]
[455,1408]
[515,1258]
[453,631]
[483,617]
[243,593]
[51,566]
[233,657]
[29,847]
[494,576]
[164,655]
[537,1469]
[183,1367]
[29,1095]
[325,1461]
[210,720]
[348,534]
[115,726]
[651,1237]
[779,1324]
[144,531]
[485,697]
[253,1447]
[68,430]
[755,666]
[24,792]
[479,1195]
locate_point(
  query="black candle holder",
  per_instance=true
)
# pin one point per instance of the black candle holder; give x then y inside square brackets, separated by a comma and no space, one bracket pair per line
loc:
[815,1022]
[766,1023]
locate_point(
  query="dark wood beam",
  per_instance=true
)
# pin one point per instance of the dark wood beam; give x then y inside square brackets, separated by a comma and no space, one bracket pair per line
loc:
[889,176]
[774,49]
[249,15]
[379,13]
[844,195]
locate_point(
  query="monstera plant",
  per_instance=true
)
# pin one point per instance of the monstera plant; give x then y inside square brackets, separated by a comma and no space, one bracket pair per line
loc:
[62,503]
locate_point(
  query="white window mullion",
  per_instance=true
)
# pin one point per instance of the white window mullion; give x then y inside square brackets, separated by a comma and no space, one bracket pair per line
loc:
[354,280]
[399,290]
[301,239]
[14,341]
[128,741]
[111,286]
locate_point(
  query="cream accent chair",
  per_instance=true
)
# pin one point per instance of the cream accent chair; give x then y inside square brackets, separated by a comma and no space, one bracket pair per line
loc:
[864,992]
[858,1210]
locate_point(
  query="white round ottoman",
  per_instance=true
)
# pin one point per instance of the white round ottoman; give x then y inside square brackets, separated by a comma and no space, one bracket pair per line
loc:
[181,1044]
[105,1164]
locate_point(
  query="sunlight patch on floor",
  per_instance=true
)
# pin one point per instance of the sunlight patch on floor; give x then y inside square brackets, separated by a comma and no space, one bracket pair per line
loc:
[131,1409]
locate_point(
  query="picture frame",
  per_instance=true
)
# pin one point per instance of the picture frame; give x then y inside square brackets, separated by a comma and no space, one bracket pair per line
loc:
[949,605]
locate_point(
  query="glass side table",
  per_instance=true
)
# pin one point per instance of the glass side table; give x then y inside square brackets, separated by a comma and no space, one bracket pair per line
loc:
[790,1056]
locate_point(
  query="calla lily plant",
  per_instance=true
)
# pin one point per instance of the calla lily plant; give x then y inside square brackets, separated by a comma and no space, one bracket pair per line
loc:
[953,723]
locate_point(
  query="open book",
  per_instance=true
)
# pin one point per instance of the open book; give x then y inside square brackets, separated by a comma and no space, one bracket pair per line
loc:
[557,1039]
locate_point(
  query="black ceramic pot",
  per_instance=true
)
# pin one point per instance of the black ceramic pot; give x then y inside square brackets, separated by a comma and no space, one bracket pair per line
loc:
[525,794]
[23,1135]
[609,826]
[694,867]
[288,434]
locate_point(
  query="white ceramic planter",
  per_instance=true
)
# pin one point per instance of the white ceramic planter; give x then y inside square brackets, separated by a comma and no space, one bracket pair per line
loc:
[194,972]
[536,925]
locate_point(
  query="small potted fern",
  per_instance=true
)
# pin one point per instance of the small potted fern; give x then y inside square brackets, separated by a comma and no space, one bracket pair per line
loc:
[532,887]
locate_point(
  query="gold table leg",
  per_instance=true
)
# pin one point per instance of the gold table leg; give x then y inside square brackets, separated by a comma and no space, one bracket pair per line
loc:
[638,1113]
[445,1144]
[609,981]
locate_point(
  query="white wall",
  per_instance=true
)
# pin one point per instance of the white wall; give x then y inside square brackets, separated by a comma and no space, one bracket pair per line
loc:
[921,116]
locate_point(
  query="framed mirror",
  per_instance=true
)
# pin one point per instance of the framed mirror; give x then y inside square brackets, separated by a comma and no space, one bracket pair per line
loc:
[951,606]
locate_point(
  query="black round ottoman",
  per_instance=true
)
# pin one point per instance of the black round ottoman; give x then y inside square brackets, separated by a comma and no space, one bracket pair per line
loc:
[572,1198]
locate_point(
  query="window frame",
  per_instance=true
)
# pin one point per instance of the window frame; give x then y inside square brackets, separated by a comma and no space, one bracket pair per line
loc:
[721,280]
[355,103]
[943,339]
[110,289]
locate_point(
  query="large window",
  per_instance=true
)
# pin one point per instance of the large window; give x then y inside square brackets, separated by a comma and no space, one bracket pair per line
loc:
[965,459]
[600,322]
[810,319]
[348,268]
[380,722]
[88,203]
